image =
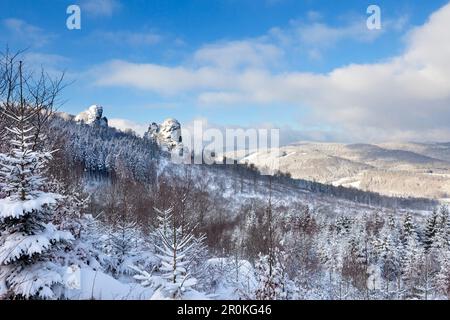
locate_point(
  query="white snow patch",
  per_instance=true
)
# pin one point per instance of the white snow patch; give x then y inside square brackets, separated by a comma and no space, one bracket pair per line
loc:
[96,285]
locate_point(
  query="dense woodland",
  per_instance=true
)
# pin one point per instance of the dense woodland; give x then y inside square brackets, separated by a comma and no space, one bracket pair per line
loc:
[100,199]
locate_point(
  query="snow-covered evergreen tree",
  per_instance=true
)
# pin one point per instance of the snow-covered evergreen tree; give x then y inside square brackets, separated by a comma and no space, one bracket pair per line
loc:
[431,227]
[442,280]
[356,260]
[28,239]
[197,258]
[332,250]
[426,277]
[72,215]
[174,248]
[439,253]
[270,280]
[409,229]
[390,263]
[413,259]
[124,244]
[442,237]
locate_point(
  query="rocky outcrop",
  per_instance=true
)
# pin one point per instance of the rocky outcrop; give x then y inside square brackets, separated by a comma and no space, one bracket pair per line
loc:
[167,134]
[93,116]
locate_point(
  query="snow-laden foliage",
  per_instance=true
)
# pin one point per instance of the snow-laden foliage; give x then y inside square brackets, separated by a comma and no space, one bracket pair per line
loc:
[272,281]
[28,238]
[72,214]
[100,149]
[123,245]
[176,248]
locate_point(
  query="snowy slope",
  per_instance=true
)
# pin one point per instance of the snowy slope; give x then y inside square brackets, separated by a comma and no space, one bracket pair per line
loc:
[418,170]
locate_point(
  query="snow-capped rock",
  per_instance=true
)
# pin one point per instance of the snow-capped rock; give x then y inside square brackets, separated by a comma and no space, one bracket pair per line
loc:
[152,132]
[167,134]
[93,116]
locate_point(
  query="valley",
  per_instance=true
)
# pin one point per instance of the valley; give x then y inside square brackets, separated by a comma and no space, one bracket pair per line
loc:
[408,170]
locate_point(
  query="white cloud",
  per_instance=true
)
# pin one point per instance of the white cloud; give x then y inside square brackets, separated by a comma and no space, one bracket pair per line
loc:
[44,59]
[19,30]
[124,125]
[288,135]
[53,64]
[161,79]
[406,97]
[320,34]
[134,39]
[313,15]
[315,37]
[235,54]
[100,7]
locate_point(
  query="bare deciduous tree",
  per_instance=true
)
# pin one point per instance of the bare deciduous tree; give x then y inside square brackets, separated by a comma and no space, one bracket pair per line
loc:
[21,87]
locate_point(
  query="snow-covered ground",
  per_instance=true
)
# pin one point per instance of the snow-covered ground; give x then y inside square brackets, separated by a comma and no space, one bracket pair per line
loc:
[96,285]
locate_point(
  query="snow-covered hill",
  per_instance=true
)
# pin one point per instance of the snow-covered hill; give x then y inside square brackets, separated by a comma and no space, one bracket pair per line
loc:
[418,170]
[121,189]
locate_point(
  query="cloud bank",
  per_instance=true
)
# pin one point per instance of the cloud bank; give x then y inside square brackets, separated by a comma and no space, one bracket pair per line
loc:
[406,97]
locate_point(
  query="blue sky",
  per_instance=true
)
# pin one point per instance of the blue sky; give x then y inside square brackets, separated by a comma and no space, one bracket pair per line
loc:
[246,63]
